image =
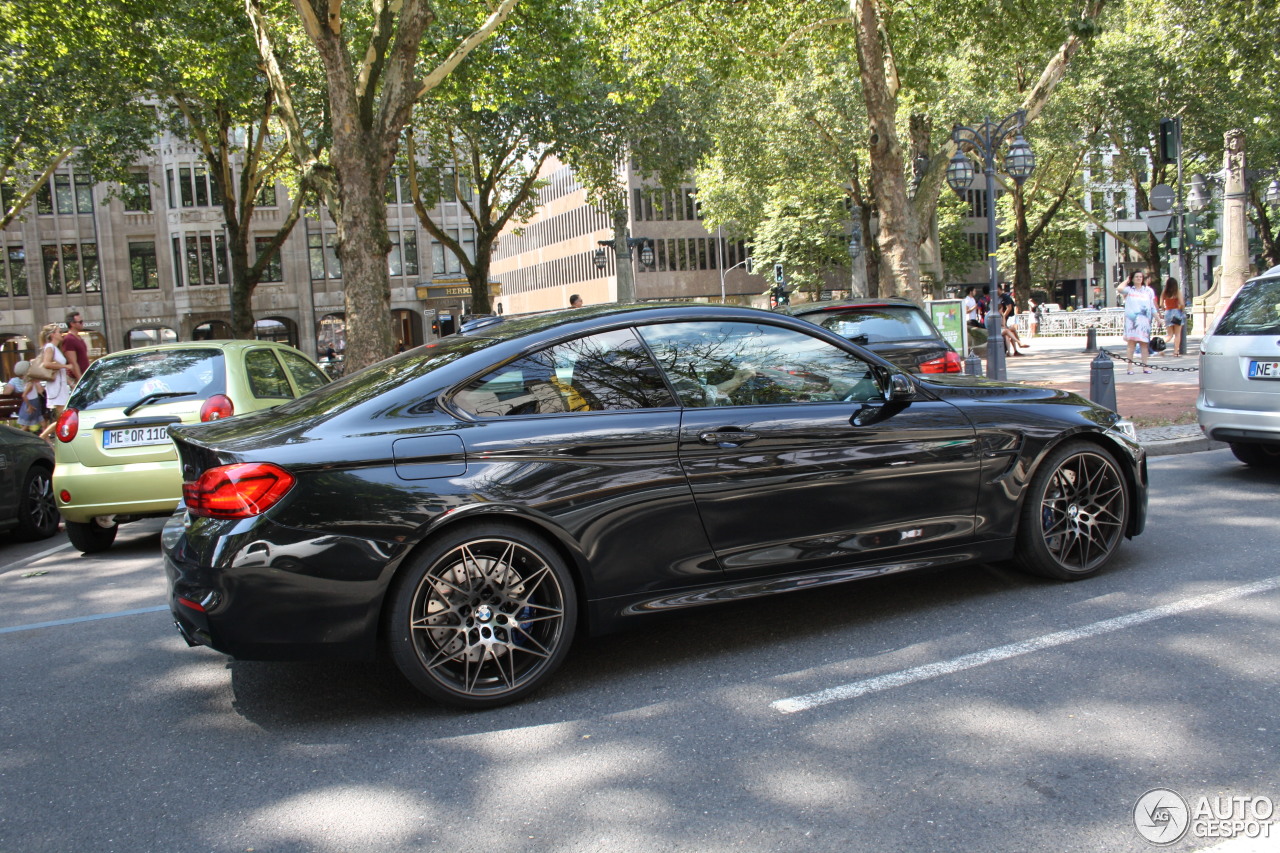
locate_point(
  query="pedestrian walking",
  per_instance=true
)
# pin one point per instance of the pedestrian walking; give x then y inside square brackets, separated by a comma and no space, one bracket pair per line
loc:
[1035,317]
[1175,314]
[1139,313]
[74,347]
[1007,309]
[31,409]
[970,308]
[58,389]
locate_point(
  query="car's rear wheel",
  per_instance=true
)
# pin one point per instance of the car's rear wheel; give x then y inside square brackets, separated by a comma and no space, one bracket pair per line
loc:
[91,537]
[37,510]
[482,617]
[1257,455]
[1074,515]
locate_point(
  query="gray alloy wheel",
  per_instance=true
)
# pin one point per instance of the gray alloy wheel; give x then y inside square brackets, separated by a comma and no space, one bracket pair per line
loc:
[90,537]
[483,616]
[1074,514]
[37,510]
[1257,455]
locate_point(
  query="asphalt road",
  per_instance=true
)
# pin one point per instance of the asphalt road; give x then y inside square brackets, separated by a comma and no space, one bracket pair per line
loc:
[974,709]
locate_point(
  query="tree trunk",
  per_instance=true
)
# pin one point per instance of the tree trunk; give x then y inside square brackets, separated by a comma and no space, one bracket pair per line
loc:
[1023,243]
[362,247]
[897,238]
[242,285]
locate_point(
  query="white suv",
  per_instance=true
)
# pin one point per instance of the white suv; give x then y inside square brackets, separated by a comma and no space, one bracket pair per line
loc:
[1239,400]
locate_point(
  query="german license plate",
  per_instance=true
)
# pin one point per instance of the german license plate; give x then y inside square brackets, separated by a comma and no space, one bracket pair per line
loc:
[135,437]
[1264,370]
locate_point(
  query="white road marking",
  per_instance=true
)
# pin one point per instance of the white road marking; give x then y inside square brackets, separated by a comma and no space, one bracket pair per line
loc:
[34,558]
[890,680]
[77,619]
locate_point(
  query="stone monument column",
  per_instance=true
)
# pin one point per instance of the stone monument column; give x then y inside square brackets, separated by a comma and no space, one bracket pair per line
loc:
[1235,237]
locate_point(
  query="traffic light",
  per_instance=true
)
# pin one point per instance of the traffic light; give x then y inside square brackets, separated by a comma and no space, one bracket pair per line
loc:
[1169,140]
[777,274]
[750,263]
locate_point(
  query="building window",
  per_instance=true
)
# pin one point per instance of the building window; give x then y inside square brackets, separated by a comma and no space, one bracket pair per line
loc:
[437,258]
[177,262]
[272,270]
[89,271]
[142,265]
[84,193]
[18,270]
[403,257]
[266,195]
[322,256]
[411,253]
[71,267]
[220,259]
[62,194]
[206,260]
[44,200]
[52,269]
[136,194]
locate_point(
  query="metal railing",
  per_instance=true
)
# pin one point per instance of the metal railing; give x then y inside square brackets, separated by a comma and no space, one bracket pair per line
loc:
[1108,321]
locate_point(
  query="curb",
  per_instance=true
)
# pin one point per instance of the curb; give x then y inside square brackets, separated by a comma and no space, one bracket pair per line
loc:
[1177,446]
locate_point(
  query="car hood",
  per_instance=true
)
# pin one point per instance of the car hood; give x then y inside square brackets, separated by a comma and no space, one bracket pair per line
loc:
[952,386]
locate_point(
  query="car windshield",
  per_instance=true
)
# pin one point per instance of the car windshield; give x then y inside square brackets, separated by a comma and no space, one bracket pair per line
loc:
[874,324]
[125,379]
[1255,311]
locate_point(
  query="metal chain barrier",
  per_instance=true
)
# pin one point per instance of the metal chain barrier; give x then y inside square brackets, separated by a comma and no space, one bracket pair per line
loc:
[1115,357]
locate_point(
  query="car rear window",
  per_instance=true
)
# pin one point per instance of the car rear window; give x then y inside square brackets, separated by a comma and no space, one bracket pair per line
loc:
[874,324]
[1255,310]
[122,380]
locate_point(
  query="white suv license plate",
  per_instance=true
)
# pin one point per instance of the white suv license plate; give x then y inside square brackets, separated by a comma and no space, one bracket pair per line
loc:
[135,437]
[1264,370]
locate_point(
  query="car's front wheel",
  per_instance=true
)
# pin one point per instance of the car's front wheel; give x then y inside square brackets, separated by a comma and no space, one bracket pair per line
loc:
[483,617]
[1257,455]
[1074,515]
[37,510]
[91,537]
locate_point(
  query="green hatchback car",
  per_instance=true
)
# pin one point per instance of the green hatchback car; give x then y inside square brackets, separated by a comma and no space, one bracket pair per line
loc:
[114,459]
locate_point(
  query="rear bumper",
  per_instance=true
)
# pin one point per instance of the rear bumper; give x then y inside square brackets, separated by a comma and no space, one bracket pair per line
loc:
[140,488]
[258,591]
[1241,425]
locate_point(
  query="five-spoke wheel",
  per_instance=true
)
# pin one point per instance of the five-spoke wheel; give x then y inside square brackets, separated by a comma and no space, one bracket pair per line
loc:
[1074,516]
[37,510]
[483,616]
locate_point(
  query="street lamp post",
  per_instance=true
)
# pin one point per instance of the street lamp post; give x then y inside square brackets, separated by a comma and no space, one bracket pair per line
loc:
[987,139]
[855,250]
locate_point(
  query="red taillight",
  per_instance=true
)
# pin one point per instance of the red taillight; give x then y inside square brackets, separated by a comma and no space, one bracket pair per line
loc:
[237,491]
[68,425]
[216,407]
[949,363]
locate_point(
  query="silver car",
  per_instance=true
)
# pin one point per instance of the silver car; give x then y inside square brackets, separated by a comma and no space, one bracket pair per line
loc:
[1239,400]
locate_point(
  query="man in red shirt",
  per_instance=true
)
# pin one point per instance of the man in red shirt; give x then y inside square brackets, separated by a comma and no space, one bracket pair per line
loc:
[74,347]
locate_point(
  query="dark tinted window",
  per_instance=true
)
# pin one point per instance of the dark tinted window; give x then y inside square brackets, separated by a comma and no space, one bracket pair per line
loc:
[123,380]
[267,379]
[1255,310]
[718,363]
[875,324]
[306,375]
[604,372]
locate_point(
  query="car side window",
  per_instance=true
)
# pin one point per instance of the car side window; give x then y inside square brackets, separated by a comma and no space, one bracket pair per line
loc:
[605,372]
[738,363]
[267,379]
[306,375]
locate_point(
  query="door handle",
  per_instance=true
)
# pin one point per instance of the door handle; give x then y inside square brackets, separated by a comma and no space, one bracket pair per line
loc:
[727,438]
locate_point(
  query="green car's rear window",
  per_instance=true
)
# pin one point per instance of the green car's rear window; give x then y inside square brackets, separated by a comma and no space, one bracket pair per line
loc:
[177,374]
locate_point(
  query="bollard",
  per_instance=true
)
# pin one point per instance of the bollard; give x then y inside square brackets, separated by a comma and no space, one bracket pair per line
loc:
[1102,381]
[1091,345]
[995,346]
[972,365]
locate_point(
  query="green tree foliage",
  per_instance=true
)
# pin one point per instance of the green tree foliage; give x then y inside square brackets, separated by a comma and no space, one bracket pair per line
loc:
[69,81]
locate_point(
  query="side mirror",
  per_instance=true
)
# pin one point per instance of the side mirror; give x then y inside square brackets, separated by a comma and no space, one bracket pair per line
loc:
[899,388]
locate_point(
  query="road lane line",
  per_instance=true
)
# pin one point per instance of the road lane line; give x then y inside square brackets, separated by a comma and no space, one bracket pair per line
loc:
[78,619]
[890,680]
[26,561]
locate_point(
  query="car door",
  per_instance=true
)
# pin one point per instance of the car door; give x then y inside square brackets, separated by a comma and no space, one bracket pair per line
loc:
[11,457]
[586,432]
[796,461]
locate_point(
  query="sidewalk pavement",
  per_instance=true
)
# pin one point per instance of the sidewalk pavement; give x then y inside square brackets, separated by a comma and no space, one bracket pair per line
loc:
[1162,404]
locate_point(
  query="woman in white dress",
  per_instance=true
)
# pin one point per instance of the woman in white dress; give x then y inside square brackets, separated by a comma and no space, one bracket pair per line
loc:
[57,389]
[1139,312]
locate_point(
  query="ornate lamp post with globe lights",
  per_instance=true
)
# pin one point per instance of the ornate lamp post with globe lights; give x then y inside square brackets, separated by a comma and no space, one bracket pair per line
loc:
[1019,162]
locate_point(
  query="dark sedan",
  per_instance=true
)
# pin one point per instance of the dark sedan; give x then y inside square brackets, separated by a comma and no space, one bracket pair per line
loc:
[474,503]
[892,328]
[26,484]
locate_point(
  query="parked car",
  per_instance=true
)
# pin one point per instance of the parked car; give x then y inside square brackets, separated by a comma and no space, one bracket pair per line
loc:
[472,504]
[26,494]
[115,461]
[893,328]
[1239,400]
